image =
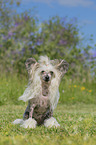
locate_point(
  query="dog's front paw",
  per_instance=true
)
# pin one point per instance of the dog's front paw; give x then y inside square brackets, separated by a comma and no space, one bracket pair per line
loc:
[18,121]
[51,122]
[29,123]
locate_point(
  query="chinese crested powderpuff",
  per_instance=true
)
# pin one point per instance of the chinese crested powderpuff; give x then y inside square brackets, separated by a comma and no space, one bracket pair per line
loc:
[42,92]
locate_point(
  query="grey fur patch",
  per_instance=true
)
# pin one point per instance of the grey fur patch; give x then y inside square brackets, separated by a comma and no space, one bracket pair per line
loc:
[29,62]
[63,67]
[42,109]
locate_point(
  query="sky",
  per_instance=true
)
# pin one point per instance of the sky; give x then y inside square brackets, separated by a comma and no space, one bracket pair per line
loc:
[83,10]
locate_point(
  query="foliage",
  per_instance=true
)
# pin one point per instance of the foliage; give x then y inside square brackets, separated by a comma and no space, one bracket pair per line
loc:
[23,36]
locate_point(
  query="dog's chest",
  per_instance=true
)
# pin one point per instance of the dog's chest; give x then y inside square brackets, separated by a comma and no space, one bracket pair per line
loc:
[45,89]
[41,104]
[42,109]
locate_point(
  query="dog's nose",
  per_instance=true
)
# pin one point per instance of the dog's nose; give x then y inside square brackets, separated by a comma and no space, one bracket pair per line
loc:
[47,78]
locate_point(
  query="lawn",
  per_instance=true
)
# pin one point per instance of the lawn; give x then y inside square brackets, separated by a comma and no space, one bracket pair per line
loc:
[76,114]
[77,126]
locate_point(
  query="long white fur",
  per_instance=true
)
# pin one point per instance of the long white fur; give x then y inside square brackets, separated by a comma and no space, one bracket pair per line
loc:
[34,86]
[51,122]
[29,123]
[34,90]
[18,121]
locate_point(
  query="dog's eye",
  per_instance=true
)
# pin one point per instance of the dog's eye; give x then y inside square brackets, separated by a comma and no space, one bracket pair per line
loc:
[42,71]
[51,72]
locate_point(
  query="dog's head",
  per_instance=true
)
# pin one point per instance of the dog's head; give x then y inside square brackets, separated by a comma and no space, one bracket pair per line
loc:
[47,69]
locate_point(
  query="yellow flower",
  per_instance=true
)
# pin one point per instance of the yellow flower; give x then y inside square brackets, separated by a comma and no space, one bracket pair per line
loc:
[72,98]
[90,91]
[82,88]
[75,86]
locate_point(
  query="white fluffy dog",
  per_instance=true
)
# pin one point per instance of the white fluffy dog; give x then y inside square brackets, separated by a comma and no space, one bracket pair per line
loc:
[42,92]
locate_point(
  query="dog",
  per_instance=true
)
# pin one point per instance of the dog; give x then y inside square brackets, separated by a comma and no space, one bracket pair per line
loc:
[42,92]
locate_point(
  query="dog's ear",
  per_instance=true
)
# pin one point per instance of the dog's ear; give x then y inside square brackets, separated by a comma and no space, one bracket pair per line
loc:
[30,62]
[62,66]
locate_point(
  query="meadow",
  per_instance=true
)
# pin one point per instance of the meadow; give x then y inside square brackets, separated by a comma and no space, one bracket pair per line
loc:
[75,112]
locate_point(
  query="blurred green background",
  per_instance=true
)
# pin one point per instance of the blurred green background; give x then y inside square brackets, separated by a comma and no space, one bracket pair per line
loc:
[22,35]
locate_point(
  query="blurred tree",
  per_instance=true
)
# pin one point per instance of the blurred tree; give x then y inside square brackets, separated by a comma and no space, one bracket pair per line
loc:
[22,36]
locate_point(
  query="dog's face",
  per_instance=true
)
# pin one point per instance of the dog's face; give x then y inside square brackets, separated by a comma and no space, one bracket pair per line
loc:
[47,68]
[47,76]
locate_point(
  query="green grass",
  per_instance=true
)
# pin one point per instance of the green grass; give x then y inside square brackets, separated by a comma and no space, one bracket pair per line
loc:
[11,87]
[78,127]
[76,114]
[71,92]
[75,91]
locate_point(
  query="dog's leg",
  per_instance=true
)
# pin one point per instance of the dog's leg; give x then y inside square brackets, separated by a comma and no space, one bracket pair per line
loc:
[31,110]
[30,122]
[51,122]
[26,113]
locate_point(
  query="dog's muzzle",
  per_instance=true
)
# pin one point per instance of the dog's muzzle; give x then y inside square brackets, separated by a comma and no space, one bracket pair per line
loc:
[47,78]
